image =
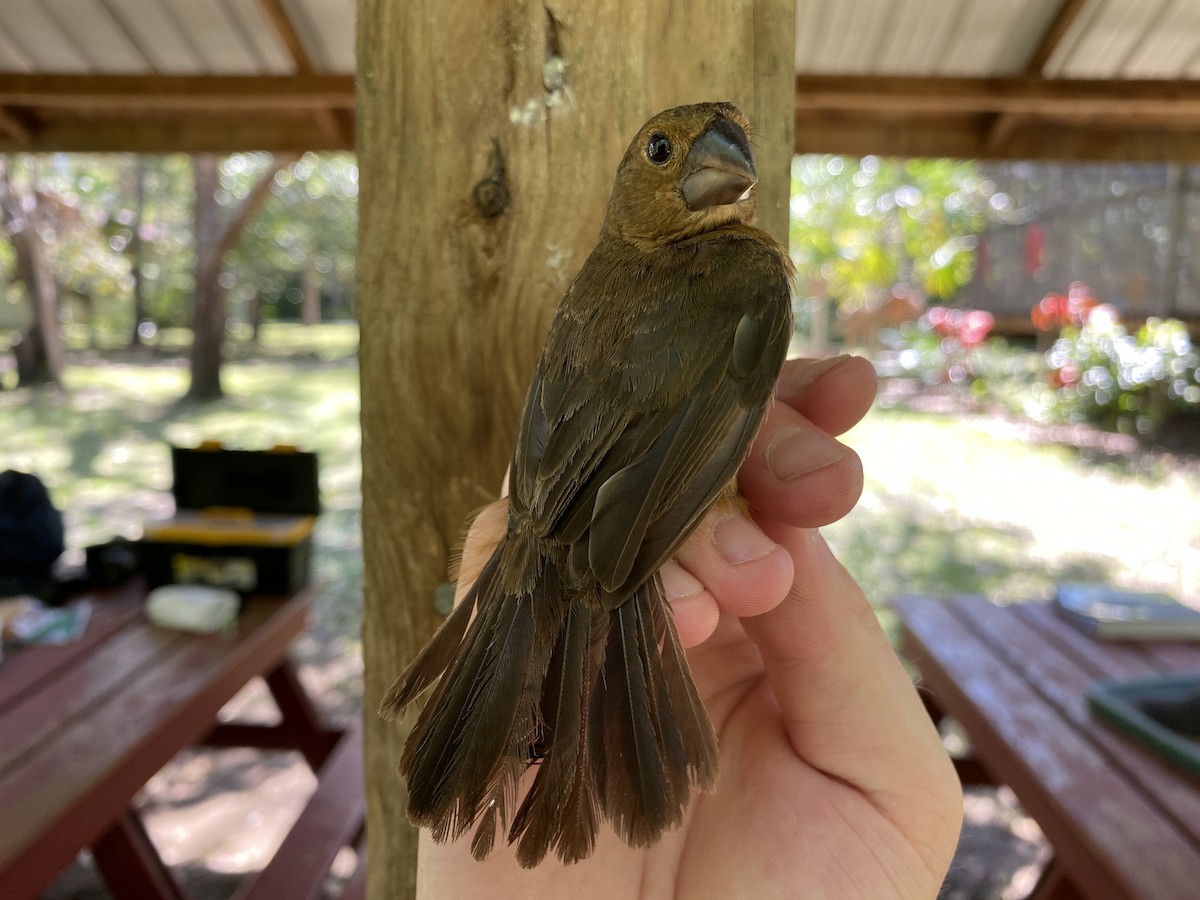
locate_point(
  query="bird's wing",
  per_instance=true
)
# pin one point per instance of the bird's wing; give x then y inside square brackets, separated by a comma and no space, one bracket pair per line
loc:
[631,435]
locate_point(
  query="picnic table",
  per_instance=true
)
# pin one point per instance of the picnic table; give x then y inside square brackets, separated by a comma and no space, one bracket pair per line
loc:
[85,725]
[1123,824]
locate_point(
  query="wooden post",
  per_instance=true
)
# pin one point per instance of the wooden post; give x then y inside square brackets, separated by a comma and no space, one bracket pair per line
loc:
[488,135]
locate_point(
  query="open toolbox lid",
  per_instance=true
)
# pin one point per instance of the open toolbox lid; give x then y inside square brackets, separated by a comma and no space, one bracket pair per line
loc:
[282,480]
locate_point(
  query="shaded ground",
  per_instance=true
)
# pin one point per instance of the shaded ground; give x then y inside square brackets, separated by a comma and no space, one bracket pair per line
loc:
[974,504]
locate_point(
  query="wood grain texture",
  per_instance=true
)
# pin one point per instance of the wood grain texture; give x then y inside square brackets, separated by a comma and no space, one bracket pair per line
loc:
[533,105]
[1122,824]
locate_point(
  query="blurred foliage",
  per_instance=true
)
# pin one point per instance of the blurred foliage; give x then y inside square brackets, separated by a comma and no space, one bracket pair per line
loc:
[306,229]
[943,346]
[860,226]
[1131,383]
[89,206]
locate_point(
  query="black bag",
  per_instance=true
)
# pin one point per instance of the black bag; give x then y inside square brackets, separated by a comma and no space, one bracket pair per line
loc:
[31,530]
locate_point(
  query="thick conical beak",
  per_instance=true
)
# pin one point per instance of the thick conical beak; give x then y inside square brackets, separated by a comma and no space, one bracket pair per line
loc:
[720,167]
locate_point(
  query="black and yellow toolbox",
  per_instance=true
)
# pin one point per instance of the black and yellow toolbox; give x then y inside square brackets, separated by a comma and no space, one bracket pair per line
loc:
[243,520]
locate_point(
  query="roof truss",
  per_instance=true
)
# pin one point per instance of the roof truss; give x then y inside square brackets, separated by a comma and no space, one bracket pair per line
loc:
[1046,118]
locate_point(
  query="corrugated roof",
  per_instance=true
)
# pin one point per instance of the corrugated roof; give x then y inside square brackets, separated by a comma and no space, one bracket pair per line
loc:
[177,74]
[1079,79]
[278,74]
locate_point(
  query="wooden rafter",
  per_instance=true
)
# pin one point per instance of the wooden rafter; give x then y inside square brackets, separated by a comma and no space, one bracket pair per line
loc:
[285,30]
[184,133]
[1004,125]
[1169,101]
[177,92]
[12,125]
[965,136]
[289,37]
[1054,35]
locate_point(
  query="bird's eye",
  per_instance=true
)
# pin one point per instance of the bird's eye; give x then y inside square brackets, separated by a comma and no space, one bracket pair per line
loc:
[659,148]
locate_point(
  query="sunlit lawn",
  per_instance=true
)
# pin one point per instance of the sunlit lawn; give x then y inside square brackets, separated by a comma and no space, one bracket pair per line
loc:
[968,504]
[951,504]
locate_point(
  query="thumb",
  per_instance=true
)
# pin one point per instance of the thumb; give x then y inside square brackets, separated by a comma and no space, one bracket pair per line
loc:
[848,705]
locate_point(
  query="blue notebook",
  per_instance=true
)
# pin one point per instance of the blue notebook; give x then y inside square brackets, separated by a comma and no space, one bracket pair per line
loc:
[1114,614]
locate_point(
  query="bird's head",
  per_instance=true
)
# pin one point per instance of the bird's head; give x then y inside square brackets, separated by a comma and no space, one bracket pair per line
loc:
[689,170]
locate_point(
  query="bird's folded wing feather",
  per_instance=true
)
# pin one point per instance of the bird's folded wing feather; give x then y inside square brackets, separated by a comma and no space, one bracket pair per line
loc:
[624,445]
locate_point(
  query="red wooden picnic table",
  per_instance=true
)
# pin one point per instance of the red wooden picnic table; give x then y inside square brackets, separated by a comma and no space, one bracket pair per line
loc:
[85,725]
[1123,824]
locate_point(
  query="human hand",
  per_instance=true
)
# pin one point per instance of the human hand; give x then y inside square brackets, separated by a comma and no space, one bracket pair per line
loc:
[833,780]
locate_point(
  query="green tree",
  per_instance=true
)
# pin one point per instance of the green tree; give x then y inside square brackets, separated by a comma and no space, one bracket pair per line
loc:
[859,227]
[214,234]
[93,229]
[38,349]
[300,248]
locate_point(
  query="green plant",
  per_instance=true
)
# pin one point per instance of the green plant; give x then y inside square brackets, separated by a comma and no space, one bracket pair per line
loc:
[1131,383]
[941,347]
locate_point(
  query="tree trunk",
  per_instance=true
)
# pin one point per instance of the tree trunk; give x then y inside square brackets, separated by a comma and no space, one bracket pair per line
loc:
[38,351]
[1178,188]
[135,250]
[310,297]
[254,310]
[487,148]
[212,240]
[208,298]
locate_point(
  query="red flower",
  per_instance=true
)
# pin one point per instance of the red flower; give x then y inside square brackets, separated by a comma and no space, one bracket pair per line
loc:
[1064,377]
[975,326]
[1047,314]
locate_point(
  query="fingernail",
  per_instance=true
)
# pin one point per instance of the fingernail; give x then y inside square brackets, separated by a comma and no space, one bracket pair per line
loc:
[798,378]
[678,582]
[800,451]
[739,540]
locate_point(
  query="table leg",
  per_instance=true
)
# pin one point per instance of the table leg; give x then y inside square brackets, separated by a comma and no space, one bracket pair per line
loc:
[300,717]
[931,705]
[1054,884]
[130,865]
[300,728]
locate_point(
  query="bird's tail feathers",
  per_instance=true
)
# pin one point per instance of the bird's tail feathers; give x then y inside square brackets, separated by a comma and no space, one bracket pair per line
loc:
[602,702]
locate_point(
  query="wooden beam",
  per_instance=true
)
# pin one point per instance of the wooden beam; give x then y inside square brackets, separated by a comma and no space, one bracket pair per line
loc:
[966,137]
[1054,35]
[189,134]
[285,31]
[178,92]
[510,94]
[1004,125]
[1036,96]
[11,124]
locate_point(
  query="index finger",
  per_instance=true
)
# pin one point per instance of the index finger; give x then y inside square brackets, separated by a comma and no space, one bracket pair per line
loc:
[833,394]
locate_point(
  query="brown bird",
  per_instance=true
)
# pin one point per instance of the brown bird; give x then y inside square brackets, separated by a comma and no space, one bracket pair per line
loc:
[655,375]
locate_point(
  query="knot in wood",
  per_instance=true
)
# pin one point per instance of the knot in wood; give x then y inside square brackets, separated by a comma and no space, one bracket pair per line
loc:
[491,193]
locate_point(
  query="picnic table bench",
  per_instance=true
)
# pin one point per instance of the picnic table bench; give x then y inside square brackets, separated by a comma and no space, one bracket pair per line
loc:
[1123,824]
[85,725]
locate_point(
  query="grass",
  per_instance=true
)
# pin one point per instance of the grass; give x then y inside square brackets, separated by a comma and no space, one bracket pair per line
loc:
[951,504]
[957,505]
